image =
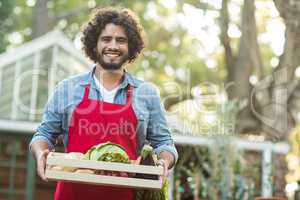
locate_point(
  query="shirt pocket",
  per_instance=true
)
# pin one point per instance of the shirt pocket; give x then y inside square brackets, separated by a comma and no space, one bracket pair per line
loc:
[142,126]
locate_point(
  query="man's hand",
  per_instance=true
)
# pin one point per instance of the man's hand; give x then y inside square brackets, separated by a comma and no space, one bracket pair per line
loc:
[165,165]
[166,161]
[40,150]
[41,163]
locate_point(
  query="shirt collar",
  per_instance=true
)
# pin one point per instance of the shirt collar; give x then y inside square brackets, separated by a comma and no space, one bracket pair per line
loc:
[127,79]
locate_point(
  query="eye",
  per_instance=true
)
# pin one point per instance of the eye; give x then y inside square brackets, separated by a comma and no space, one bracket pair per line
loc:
[122,40]
[105,39]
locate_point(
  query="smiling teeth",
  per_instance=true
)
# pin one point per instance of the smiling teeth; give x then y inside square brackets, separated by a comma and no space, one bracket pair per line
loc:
[112,55]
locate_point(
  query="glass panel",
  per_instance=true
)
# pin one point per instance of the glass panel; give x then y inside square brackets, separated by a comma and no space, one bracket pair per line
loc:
[45,66]
[69,62]
[23,106]
[46,58]
[7,90]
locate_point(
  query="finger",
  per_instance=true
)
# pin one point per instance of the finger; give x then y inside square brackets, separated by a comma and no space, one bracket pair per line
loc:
[164,176]
[41,169]
[166,171]
[41,173]
[162,179]
[137,161]
[165,167]
[42,164]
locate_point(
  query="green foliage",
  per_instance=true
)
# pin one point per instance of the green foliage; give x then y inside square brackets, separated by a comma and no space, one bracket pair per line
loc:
[6,7]
[218,171]
[222,171]
[170,50]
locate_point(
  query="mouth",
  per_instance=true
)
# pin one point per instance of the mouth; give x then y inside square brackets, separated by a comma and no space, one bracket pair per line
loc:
[112,54]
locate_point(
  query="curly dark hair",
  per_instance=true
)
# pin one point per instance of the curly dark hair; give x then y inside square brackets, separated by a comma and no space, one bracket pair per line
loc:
[123,17]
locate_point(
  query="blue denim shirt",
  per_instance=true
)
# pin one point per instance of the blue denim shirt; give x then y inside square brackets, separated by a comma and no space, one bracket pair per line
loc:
[152,124]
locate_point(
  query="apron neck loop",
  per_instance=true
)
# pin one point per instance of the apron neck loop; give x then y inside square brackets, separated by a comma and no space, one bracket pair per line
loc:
[129,93]
[86,92]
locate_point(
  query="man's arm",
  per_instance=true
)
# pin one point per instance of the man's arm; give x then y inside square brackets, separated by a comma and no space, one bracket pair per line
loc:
[158,133]
[51,127]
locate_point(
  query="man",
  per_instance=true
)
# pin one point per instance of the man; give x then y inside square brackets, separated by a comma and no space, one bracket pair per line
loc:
[106,104]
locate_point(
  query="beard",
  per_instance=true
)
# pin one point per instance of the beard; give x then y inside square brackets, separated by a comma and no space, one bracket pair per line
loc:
[112,65]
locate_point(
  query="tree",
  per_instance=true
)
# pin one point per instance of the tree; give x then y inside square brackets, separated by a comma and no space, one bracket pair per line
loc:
[6,7]
[271,99]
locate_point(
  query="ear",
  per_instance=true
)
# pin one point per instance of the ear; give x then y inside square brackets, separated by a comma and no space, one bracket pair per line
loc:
[95,50]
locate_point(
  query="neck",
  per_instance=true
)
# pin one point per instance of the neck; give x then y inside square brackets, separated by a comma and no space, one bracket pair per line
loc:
[109,78]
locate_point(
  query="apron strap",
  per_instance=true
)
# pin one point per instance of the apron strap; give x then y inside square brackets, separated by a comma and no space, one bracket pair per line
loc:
[129,94]
[86,92]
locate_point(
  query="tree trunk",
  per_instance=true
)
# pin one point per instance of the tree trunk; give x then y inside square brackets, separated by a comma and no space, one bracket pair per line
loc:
[279,175]
[197,185]
[42,21]
[284,74]
[229,57]
[241,67]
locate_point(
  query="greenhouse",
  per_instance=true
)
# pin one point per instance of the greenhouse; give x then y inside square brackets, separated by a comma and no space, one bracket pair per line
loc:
[28,75]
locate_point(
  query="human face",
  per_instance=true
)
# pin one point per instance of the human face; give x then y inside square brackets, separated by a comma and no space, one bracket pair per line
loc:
[112,47]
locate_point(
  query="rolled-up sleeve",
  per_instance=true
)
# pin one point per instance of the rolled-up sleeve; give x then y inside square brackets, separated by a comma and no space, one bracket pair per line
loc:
[51,125]
[158,132]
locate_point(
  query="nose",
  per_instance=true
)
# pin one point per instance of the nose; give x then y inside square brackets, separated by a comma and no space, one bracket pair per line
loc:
[113,45]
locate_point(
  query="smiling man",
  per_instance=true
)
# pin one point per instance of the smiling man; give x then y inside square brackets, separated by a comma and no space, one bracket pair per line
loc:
[105,104]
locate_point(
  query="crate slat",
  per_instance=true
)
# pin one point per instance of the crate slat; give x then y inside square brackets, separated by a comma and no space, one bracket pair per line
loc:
[103,180]
[59,159]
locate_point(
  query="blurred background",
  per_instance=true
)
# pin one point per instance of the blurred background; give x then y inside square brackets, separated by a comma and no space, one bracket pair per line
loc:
[227,72]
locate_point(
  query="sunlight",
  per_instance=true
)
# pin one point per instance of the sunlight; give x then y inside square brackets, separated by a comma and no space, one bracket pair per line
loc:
[235,11]
[201,26]
[30,3]
[291,187]
[145,64]
[274,62]
[92,3]
[234,31]
[17,10]
[169,70]
[181,73]
[297,72]
[215,3]
[253,79]
[62,23]
[15,38]
[209,118]
[211,64]
[151,12]
[275,33]
[222,98]
[175,41]
[77,42]
[168,3]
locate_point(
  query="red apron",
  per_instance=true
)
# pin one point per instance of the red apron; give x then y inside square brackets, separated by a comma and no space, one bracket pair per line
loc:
[95,122]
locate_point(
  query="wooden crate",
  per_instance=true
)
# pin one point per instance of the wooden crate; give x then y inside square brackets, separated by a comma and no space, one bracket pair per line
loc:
[59,159]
